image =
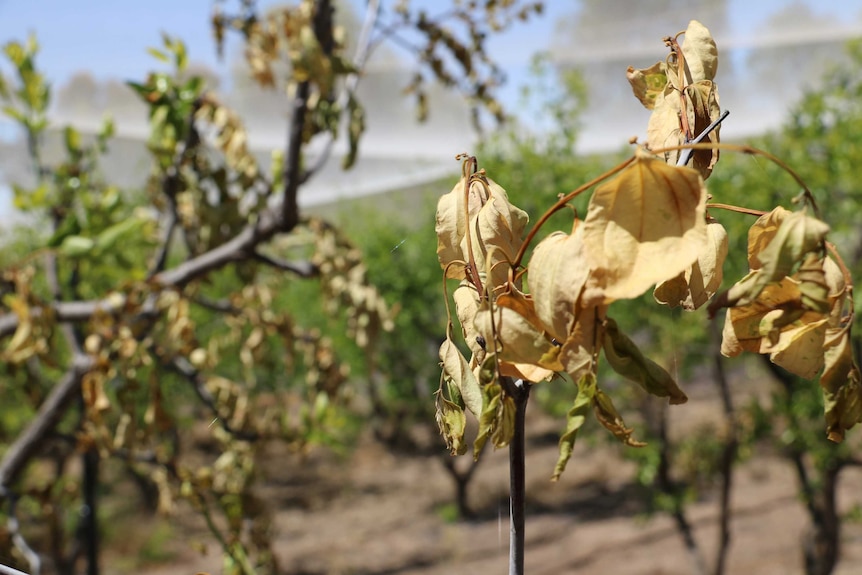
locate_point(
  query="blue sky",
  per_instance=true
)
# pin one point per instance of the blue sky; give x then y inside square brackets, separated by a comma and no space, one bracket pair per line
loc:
[109,37]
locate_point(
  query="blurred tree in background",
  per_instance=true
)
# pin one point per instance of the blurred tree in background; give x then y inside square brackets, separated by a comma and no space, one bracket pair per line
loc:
[141,323]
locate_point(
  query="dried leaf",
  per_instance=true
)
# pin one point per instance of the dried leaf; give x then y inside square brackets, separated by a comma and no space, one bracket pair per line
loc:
[701,54]
[575,418]
[456,369]
[558,273]
[797,235]
[627,360]
[492,395]
[693,287]
[648,83]
[842,385]
[517,332]
[452,423]
[609,417]
[645,226]
[467,306]
[496,236]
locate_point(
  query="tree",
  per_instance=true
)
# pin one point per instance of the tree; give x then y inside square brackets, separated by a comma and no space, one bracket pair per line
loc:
[528,313]
[144,316]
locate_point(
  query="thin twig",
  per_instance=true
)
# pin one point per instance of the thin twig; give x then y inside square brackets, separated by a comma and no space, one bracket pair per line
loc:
[304,269]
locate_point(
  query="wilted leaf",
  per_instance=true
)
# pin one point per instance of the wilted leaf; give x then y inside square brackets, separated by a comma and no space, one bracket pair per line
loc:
[495,237]
[627,360]
[517,332]
[775,323]
[701,54]
[466,307]
[456,369]
[492,395]
[797,235]
[645,226]
[579,349]
[575,418]
[558,272]
[693,287]
[452,423]
[703,109]
[609,417]
[648,83]
[842,385]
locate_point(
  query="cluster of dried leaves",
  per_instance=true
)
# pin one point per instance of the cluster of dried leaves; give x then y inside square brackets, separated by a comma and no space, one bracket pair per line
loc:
[650,227]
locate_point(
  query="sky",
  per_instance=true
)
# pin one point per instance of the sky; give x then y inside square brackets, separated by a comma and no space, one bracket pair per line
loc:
[108,38]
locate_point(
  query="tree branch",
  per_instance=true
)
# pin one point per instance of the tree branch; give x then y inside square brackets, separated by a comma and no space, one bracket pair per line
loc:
[302,269]
[50,412]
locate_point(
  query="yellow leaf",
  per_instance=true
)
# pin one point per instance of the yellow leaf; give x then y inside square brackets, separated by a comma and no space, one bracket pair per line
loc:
[664,129]
[701,54]
[496,236]
[842,385]
[517,332]
[452,423]
[558,273]
[761,233]
[693,287]
[456,369]
[645,226]
[466,306]
[648,83]
[579,349]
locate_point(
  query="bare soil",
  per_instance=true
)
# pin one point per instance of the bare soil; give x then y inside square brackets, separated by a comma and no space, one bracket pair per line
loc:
[375,512]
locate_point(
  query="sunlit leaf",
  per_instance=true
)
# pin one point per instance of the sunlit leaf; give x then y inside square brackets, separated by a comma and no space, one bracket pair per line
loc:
[645,226]
[842,385]
[452,423]
[648,83]
[456,369]
[693,287]
[701,54]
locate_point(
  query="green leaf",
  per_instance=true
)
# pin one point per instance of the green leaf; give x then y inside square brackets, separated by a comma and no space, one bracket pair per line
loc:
[452,422]
[627,360]
[492,395]
[109,237]
[70,226]
[575,418]
[158,55]
[72,140]
[608,416]
[76,246]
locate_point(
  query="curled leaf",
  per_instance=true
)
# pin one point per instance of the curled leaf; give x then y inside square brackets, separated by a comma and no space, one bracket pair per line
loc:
[648,83]
[559,270]
[693,287]
[773,257]
[575,418]
[701,54]
[645,226]
[609,417]
[627,360]
[452,423]
[842,385]
[456,370]
[517,331]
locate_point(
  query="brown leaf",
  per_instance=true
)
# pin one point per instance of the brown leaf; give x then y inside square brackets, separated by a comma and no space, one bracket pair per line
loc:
[496,236]
[609,417]
[519,335]
[645,226]
[703,109]
[842,385]
[558,273]
[648,83]
[456,369]
[701,54]
[693,287]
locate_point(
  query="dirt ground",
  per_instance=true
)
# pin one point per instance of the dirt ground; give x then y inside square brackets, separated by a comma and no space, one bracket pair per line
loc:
[375,512]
